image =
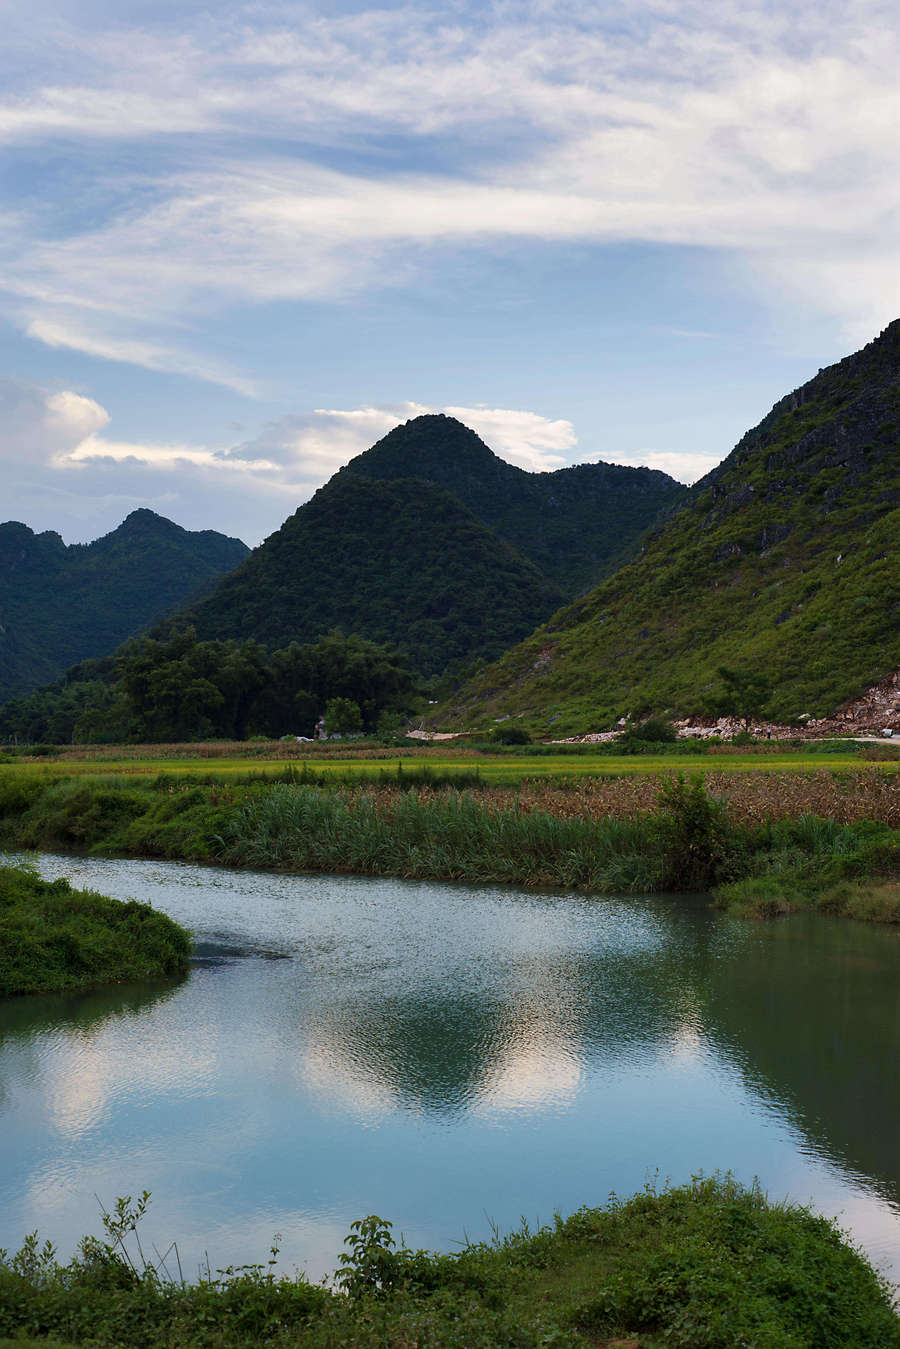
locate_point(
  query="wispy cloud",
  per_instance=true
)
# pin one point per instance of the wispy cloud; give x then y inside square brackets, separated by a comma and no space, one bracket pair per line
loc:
[769,133]
[134,352]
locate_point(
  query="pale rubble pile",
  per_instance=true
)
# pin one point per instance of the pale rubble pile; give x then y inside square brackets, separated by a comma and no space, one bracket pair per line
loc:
[874,715]
[876,711]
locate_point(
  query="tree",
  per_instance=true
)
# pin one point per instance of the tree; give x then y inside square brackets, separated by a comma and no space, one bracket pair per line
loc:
[745,694]
[342,717]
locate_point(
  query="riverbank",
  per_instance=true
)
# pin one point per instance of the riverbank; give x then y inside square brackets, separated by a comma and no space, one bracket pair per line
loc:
[709,1264]
[760,842]
[54,939]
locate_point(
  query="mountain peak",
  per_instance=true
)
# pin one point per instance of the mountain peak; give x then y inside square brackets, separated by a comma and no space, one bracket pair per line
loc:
[784,559]
[426,446]
[575,524]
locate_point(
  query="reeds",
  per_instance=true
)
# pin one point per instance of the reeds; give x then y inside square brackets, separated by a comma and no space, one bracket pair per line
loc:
[438,835]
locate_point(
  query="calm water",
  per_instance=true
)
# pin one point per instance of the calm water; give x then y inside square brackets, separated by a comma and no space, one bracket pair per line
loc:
[449,1058]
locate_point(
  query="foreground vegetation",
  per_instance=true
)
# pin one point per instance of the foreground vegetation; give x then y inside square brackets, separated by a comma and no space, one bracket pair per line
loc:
[54,939]
[768,843]
[707,1266]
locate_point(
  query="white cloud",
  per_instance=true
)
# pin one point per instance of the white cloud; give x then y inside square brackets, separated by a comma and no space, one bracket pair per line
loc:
[93,448]
[74,414]
[524,438]
[766,132]
[684,466]
[35,425]
[314,446]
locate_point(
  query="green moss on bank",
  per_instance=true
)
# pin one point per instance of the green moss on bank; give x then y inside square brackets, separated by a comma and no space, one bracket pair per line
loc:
[710,1265]
[54,939]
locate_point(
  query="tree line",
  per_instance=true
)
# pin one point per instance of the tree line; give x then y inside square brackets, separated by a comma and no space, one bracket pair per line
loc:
[173,687]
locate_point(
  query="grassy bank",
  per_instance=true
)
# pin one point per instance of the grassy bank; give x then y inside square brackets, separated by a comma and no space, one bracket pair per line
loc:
[706,1266]
[768,843]
[54,939]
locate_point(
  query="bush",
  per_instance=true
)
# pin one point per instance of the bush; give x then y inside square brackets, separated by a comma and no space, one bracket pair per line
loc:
[511,735]
[656,729]
[698,842]
[710,1265]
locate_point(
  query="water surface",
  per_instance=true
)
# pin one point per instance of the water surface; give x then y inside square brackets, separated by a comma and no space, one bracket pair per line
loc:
[449,1058]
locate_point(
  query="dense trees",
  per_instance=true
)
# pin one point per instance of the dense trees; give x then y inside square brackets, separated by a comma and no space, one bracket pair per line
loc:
[61,604]
[402,563]
[173,687]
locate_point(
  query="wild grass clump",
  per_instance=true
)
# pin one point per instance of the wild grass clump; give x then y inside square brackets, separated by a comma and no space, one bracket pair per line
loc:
[54,939]
[709,1265]
[818,864]
[449,835]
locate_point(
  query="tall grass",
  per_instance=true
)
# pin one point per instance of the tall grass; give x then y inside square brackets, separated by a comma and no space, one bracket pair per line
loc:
[791,835]
[446,836]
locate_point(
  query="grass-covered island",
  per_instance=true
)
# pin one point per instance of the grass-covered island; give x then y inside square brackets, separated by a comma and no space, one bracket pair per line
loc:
[707,1266]
[54,939]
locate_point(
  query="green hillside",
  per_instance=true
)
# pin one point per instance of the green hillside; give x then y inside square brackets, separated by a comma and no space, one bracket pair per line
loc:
[402,563]
[785,561]
[60,605]
[576,524]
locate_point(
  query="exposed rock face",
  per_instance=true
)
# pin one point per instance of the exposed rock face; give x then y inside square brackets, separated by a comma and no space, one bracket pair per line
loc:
[874,711]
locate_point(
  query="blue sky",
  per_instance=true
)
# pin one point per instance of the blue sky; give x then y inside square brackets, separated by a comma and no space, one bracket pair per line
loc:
[238,243]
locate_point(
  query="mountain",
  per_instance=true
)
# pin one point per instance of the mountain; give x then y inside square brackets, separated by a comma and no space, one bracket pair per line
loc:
[60,605]
[575,524]
[403,563]
[785,561]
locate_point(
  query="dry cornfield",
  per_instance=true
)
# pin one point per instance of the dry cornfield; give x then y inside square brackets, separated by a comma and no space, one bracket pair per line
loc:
[750,798]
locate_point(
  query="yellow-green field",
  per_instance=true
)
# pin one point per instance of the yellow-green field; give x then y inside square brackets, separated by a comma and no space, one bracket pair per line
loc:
[499,769]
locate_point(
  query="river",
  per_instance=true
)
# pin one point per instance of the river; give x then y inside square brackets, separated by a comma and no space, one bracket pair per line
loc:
[451,1058]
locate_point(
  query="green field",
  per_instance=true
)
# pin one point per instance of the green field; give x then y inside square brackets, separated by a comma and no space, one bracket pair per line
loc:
[500,769]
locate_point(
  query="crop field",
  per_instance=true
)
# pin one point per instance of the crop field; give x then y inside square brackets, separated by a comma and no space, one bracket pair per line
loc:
[499,769]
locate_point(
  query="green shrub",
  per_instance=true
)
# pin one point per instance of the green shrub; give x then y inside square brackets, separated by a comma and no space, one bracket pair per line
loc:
[699,845]
[511,735]
[709,1265]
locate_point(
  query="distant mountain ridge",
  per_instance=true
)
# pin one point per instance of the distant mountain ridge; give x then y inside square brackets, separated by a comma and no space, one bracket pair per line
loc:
[62,604]
[785,560]
[576,524]
[430,542]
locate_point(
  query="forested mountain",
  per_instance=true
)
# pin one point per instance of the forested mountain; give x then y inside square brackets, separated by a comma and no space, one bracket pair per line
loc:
[576,524]
[402,562]
[430,542]
[785,562]
[60,605]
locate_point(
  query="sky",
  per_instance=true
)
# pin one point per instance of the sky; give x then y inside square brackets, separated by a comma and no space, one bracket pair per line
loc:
[239,243]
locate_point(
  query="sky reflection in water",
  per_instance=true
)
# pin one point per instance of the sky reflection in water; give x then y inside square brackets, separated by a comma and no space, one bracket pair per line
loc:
[447,1057]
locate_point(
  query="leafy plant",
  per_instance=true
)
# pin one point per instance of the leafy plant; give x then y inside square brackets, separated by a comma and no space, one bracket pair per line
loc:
[694,833]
